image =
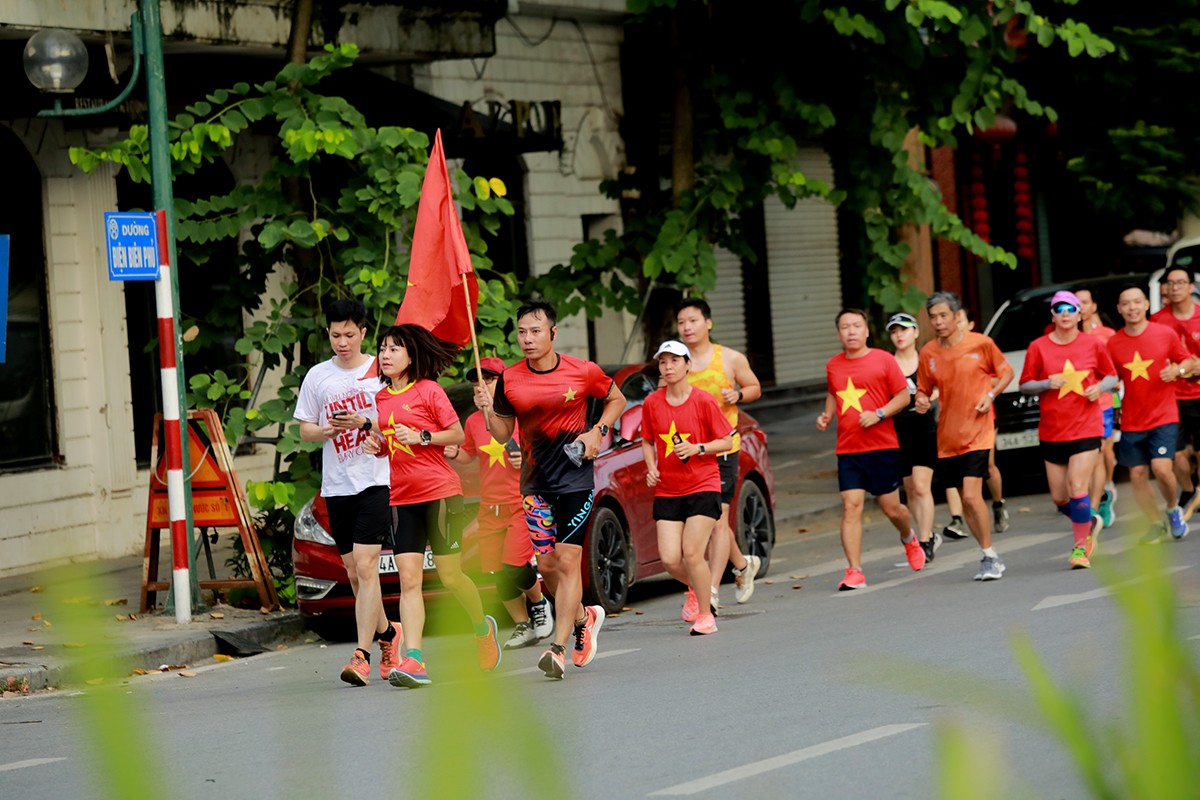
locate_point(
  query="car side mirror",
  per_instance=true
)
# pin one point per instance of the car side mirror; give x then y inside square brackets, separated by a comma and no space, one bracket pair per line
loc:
[629,425]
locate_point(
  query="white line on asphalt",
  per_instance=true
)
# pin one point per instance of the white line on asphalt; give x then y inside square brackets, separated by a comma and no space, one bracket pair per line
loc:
[1056,600]
[756,768]
[534,669]
[30,762]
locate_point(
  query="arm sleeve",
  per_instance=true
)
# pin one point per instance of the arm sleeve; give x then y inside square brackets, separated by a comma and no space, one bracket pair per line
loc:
[500,403]
[1035,387]
[1032,371]
[1108,383]
[308,405]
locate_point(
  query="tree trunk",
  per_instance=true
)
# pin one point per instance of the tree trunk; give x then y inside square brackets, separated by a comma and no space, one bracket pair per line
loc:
[683,164]
[302,15]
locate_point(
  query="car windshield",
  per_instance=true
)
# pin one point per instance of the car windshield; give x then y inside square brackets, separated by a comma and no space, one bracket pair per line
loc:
[1026,319]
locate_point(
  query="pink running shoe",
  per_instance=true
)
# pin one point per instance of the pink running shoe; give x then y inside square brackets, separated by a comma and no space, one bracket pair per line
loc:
[705,624]
[691,606]
[587,636]
[854,579]
[358,671]
[389,652]
[915,554]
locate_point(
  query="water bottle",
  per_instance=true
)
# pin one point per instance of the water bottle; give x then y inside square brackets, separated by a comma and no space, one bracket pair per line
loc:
[574,451]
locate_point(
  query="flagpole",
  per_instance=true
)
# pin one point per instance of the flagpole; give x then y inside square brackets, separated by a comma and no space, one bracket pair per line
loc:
[487,411]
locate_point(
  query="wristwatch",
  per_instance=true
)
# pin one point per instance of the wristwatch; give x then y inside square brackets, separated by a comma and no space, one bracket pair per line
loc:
[603,429]
[702,450]
[366,426]
[426,438]
[879,413]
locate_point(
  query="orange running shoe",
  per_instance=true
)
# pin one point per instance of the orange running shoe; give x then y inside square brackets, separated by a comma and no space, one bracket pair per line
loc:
[705,624]
[489,646]
[410,674]
[552,664]
[854,580]
[587,636]
[691,606]
[389,652]
[915,554]
[358,671]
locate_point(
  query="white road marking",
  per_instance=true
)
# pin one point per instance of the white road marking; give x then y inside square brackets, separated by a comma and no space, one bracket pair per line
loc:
[756,768]
[534,670]
[1056,600]
[30,762]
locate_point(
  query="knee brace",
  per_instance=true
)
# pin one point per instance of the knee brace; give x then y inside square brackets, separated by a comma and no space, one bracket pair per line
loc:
[512,581]
[1081,509]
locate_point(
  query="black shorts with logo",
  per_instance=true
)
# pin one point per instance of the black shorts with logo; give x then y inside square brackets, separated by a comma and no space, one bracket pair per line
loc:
[727,463]
[438,523]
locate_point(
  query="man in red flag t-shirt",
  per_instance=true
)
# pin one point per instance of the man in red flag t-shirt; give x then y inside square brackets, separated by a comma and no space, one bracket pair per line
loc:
[547,395]
[1070,371]
[1149,358]
[866,389]
[1181,314]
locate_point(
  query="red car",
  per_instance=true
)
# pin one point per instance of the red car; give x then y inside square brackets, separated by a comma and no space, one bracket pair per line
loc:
[621,546]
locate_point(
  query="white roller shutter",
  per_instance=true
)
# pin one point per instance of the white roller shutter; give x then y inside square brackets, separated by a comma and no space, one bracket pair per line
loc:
[805,278]
[728,311]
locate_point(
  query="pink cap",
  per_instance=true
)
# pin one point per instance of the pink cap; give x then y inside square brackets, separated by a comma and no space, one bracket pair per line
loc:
[1063,296]
[490,365]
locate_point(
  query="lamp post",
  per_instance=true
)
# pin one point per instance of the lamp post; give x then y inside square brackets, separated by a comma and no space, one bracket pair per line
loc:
[56,61]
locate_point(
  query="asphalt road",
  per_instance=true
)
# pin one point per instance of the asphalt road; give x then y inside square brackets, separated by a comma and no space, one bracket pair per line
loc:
[804,692]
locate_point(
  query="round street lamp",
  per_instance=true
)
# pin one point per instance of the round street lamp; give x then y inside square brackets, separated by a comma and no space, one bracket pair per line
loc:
[55,61]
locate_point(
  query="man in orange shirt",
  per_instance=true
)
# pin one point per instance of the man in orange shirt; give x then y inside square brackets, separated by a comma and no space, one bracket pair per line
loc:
[969,371]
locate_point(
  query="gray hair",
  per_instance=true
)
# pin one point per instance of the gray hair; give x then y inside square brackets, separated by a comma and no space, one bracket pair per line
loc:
[949,298]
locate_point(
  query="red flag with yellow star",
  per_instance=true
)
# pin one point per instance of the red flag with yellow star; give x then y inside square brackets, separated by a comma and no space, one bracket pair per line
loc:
[443,292]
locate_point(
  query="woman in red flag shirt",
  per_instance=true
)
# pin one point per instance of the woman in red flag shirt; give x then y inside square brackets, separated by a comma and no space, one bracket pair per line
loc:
[1070,371]
[416,423]
[682,429]
[866,389]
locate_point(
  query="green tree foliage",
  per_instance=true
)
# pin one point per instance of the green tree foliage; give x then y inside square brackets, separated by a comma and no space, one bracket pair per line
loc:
[852,75]
[345,233]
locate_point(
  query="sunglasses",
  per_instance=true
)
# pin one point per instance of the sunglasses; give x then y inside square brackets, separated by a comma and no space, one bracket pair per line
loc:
[1063,308]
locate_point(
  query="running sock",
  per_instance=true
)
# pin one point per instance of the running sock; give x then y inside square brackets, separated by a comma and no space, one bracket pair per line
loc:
[558,648]
[1065,509]
[366,656]
[482,629]
[990,552]
[387,635]
[911,535]
[1081,518]
[415,654]
[997,504]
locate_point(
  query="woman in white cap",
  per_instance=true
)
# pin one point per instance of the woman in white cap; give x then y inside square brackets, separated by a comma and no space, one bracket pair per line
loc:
[917,432]
[1070,372]
[682,430]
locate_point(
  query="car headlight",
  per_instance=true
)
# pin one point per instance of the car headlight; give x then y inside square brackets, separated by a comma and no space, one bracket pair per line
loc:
[309,530]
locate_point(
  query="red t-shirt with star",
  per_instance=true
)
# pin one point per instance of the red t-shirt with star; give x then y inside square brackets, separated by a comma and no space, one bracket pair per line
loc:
[1188,331]
[1065,414]
[698,419]
[499,481]
[863,384]
[1148,401]
[419,473]
[551,407]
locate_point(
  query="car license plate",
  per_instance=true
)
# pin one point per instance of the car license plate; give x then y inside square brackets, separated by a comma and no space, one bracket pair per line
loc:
[387,562]
[1016,441]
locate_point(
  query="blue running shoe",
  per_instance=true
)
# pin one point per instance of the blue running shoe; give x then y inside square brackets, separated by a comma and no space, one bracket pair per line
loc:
[1179,528]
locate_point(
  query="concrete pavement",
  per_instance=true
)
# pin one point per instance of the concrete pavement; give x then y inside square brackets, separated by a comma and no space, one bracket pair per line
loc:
[71,624]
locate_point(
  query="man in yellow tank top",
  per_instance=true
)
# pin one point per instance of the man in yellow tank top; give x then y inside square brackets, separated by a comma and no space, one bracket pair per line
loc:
[726,375]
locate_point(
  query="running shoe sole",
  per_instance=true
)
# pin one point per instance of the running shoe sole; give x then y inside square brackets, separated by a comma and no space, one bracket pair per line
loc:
[550,666]
[404,680]
[351,676]
[595,636]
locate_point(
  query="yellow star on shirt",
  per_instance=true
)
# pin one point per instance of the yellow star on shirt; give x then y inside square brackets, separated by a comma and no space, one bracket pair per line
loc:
[1073,377]
[669,438]
[850,396]
[495,452]
[390,434]
[1138,368]
[568,395]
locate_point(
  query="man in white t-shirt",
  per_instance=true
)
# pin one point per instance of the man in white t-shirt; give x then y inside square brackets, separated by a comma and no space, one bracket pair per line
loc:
[337,408]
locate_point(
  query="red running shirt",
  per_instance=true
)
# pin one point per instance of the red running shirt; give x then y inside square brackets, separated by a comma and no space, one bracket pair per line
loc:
[1104,333]
[698,419]
[419,473]
[1065,415]
[499,481]
[552,409]
[1188,331]
[864,384]
[1148,401]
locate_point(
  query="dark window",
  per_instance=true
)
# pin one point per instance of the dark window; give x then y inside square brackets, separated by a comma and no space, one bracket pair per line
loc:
[27,417]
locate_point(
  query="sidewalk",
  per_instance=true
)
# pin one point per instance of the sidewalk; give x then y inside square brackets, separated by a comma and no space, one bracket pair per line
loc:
[69,625]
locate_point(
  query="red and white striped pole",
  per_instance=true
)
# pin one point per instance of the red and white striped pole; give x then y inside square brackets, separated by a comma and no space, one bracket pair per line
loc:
[176,495]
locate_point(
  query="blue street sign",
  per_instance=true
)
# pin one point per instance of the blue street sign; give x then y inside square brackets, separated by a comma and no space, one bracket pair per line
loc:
[3,296]
[132,238]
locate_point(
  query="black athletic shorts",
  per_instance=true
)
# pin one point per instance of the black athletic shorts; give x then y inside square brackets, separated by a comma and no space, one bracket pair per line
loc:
[438,523]
[955,469]
[679,509]
[362,518]
[1189,425]
[557,518]
[876,471]
[918,448]
[1060,452]
[727,463]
